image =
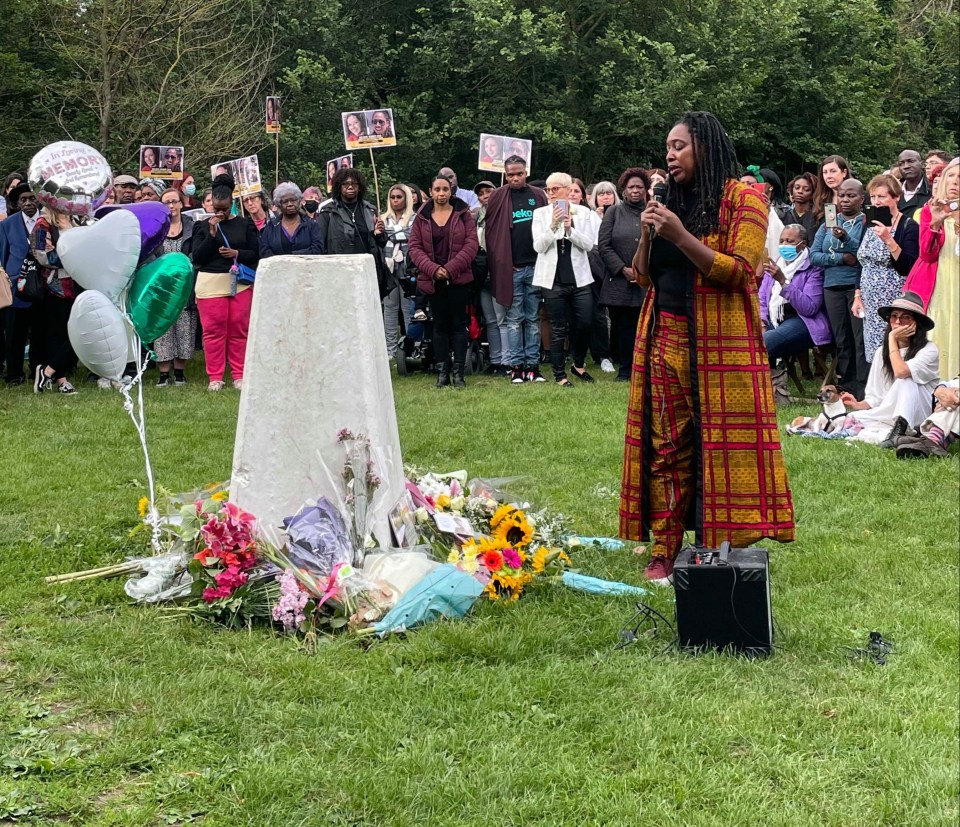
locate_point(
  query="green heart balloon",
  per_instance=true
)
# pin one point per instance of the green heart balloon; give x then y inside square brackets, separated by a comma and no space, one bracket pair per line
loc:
[158,293]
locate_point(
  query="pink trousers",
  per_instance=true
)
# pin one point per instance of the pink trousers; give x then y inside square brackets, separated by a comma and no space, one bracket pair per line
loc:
[225,321]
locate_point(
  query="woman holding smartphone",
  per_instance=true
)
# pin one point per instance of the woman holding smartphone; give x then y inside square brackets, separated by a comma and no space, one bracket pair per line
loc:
[886,255]
[563,236]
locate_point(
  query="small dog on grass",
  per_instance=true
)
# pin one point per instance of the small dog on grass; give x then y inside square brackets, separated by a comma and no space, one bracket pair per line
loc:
[831,416]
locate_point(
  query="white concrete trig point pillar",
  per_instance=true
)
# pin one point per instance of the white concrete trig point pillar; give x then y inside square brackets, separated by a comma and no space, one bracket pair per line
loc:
[316,363]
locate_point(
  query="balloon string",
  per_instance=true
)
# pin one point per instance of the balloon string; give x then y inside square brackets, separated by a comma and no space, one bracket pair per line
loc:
[139,422]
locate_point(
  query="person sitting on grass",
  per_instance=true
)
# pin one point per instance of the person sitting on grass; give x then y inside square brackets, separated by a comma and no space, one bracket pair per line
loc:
[937,431]
[904,373]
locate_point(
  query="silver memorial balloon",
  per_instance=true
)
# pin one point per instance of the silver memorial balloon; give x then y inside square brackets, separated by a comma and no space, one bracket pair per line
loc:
[70,177]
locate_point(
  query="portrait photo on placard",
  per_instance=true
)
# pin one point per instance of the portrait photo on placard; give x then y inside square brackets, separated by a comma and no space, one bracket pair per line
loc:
[149,160]
[372,128]
[341,162]
[517,146]
[245,172]
[171,160]
[491,152]
[273,115]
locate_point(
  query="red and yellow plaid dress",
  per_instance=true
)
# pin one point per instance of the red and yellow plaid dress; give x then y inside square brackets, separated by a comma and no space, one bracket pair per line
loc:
[741,492]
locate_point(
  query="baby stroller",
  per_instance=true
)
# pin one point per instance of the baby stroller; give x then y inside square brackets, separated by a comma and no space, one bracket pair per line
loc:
[415,348]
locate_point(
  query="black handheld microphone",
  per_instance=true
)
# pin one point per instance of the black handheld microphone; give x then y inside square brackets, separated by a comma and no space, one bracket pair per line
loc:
[659,194]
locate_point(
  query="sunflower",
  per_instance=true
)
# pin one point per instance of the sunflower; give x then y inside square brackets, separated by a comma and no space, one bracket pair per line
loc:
[514,530]
[501,513]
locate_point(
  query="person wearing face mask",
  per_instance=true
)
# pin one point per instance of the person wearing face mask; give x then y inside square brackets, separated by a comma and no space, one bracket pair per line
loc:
[835,250]
[311,203]
[188,187]
[791,306]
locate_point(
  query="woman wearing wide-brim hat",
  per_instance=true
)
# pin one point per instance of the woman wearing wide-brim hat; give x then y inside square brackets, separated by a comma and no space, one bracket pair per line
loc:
[903,375]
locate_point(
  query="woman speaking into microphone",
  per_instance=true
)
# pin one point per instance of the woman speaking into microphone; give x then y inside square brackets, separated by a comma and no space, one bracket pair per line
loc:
[702,448]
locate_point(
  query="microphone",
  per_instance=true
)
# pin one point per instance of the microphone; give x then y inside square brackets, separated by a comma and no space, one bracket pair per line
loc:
[659,194]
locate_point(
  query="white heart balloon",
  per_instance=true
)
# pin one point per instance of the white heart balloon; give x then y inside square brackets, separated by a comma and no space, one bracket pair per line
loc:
[102,256]
[98,334]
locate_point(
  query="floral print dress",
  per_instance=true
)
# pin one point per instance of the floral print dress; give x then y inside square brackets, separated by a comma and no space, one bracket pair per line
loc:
[880,284]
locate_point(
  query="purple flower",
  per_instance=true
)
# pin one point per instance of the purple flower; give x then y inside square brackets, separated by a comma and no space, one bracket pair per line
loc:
[289,609]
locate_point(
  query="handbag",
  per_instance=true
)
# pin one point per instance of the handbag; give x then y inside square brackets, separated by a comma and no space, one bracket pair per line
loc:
[6,294]
[30,281]
[244,273]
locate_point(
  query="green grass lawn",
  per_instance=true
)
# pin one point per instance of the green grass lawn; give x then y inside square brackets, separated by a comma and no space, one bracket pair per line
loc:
[113,714]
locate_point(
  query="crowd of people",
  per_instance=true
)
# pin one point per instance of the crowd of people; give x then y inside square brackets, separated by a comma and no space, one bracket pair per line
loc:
[695,283]
[546,267]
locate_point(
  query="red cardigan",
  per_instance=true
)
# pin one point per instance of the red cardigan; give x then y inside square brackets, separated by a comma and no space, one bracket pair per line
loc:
[463,245]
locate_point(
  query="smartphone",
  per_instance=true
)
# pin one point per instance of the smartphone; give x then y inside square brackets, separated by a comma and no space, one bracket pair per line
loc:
[830,216]
[881,214]
[564,206]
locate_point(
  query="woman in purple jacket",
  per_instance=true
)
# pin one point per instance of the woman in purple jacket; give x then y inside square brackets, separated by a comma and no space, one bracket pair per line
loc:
[443,244]
[791,305]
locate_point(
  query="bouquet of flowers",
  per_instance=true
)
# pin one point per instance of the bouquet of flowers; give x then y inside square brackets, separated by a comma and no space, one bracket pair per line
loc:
[507,546]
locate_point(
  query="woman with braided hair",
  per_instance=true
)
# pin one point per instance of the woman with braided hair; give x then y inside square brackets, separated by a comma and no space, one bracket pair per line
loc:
[702,448]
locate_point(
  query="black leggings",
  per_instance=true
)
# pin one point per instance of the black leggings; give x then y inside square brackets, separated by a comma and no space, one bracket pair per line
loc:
[570,309]
[624,322]
[52,338]
[449,305]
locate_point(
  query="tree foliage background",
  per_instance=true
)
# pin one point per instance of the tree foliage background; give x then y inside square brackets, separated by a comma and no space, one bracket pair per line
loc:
[596,85]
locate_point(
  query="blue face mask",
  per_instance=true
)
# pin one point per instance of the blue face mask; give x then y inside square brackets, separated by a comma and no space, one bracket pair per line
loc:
[190,190]
[788,252]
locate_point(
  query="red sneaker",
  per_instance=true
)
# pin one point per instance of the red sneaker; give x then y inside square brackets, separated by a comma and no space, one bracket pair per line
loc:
[659,571]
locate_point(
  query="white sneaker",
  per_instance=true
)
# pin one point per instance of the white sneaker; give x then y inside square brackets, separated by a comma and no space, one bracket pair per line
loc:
[215,386]
[238,384]
[104,384]
[607,366]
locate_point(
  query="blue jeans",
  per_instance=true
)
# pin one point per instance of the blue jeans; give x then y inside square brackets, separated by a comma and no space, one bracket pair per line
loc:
[789,338]
[522,347]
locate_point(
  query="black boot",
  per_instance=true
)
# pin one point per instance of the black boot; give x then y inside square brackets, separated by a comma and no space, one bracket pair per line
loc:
[898,430]
[458,375]
[443,375]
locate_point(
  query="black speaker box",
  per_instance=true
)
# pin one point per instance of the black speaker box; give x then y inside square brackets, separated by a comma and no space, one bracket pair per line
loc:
[723,599]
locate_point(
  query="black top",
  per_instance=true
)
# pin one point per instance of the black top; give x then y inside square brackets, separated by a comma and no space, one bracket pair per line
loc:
[441,241]
[808,221]
[360,243]
[240,232]
[521,233]
[564,274]
[669,270]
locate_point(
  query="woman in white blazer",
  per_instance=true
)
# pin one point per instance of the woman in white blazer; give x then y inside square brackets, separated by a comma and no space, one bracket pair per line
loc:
[563,236]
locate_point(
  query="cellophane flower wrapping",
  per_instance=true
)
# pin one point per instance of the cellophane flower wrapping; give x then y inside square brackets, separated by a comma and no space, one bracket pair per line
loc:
[318,538]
